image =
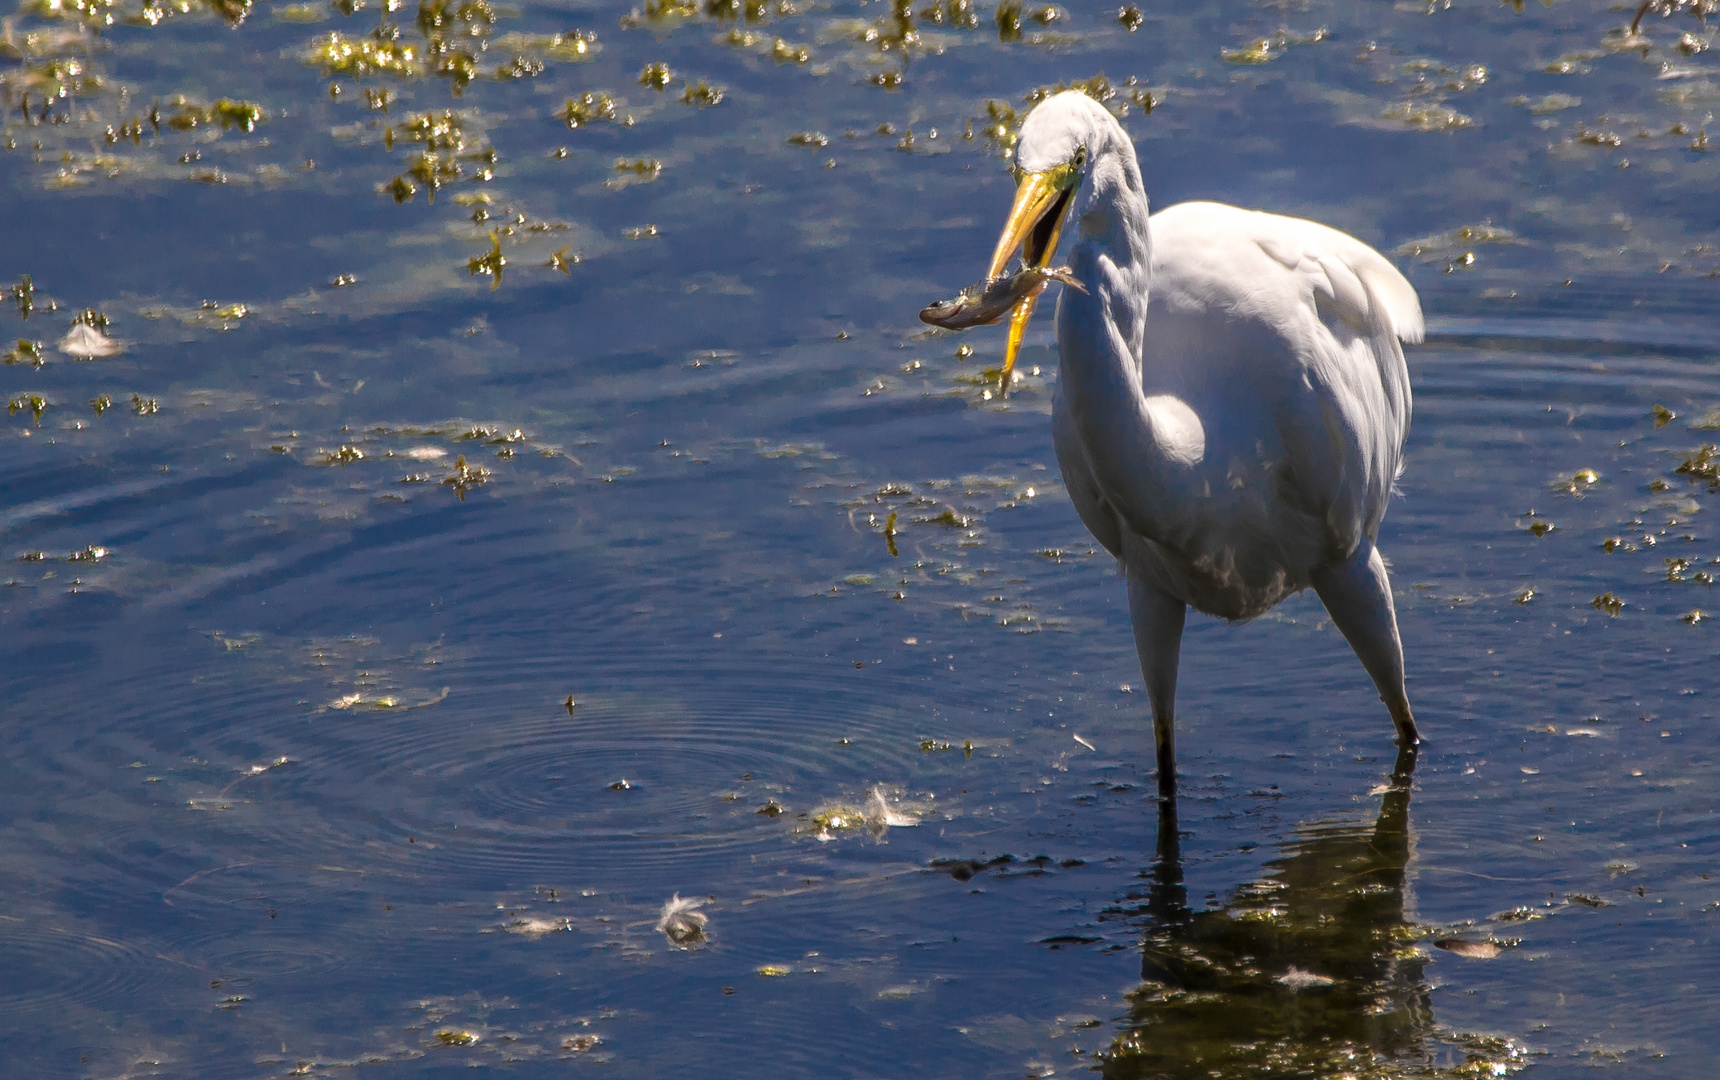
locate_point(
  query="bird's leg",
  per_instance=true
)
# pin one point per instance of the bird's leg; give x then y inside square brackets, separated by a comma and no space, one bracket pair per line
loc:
[1358,596]
[1158,620]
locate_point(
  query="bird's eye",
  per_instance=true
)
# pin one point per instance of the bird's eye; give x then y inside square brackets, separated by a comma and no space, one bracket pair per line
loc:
[1080,161]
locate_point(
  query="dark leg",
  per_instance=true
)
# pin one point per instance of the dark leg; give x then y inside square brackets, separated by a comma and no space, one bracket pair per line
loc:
[1158,620]
[1358,596]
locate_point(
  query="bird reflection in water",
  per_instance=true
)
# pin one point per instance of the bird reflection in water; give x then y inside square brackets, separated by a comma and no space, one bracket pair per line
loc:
[1312,971]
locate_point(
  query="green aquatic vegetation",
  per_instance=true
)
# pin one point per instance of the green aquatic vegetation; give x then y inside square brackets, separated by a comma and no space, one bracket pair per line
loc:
[959,14]
[490,263]
[452,1037]
[94,14]
[143,406]
[1432,116]
[890,535]
[1577,483]
[234,11]
[1704,464]
[561,260]
[660,11]
[1575,63]
[949,519]
[467,18]
[465,477]
[1129,17]
[701,94]
[1259,51]
[458,66]
[25,352]
[24,295]
[571,46]
[36,403]
[751,10]
[56,79]
[811,140]
[519,67]
[657,76]
[636,171]
[188,115]
[1098,88]
[895,31]
[1436,76]
[442,132]
[1607,140]
[430,170]
[345,454]
[302,13]
[341,54]
[837,817]
[1265,50]
[784,52]
[101,404]
[1548,103]
[1708,421]
[1008,19]
[589,108]
[1610,603]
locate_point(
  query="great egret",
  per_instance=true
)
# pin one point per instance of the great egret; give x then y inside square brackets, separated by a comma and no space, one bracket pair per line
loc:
[1233,399]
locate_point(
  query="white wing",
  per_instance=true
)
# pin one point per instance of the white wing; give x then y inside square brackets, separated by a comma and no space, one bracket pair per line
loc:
[1296,328]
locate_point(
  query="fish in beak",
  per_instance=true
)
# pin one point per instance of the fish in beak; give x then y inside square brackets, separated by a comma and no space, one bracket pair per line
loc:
[1035,224]
[991,300]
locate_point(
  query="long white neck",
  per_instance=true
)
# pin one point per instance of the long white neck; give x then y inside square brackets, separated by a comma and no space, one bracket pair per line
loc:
[1136,446]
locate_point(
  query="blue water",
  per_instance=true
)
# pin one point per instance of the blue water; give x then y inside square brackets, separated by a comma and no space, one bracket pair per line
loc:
[293,783]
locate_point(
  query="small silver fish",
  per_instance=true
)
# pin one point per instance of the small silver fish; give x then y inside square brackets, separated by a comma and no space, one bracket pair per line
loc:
[987,302]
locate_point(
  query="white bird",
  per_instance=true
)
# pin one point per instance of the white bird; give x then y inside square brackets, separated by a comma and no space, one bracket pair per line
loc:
[1232,404]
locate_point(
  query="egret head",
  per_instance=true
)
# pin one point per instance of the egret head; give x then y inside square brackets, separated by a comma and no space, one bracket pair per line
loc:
[1059,140]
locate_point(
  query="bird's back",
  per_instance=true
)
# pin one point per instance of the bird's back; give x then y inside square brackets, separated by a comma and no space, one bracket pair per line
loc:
[1283,338]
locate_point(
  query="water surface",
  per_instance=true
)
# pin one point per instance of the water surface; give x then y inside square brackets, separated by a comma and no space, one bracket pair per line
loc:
[326,750]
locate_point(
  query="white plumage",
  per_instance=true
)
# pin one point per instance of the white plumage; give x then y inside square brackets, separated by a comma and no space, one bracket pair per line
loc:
[1232,403]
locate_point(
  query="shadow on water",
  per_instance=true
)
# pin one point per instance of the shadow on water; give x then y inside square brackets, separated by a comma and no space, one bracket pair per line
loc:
[1312,971]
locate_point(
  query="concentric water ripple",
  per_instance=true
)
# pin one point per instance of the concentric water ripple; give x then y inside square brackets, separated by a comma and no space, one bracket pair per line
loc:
[51,969]
[623,782]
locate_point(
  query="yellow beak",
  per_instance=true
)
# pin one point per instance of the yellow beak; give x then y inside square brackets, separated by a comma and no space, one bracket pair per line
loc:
[1035,196]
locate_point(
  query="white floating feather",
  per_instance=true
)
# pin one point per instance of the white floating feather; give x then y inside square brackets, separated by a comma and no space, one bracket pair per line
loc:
[682,921]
